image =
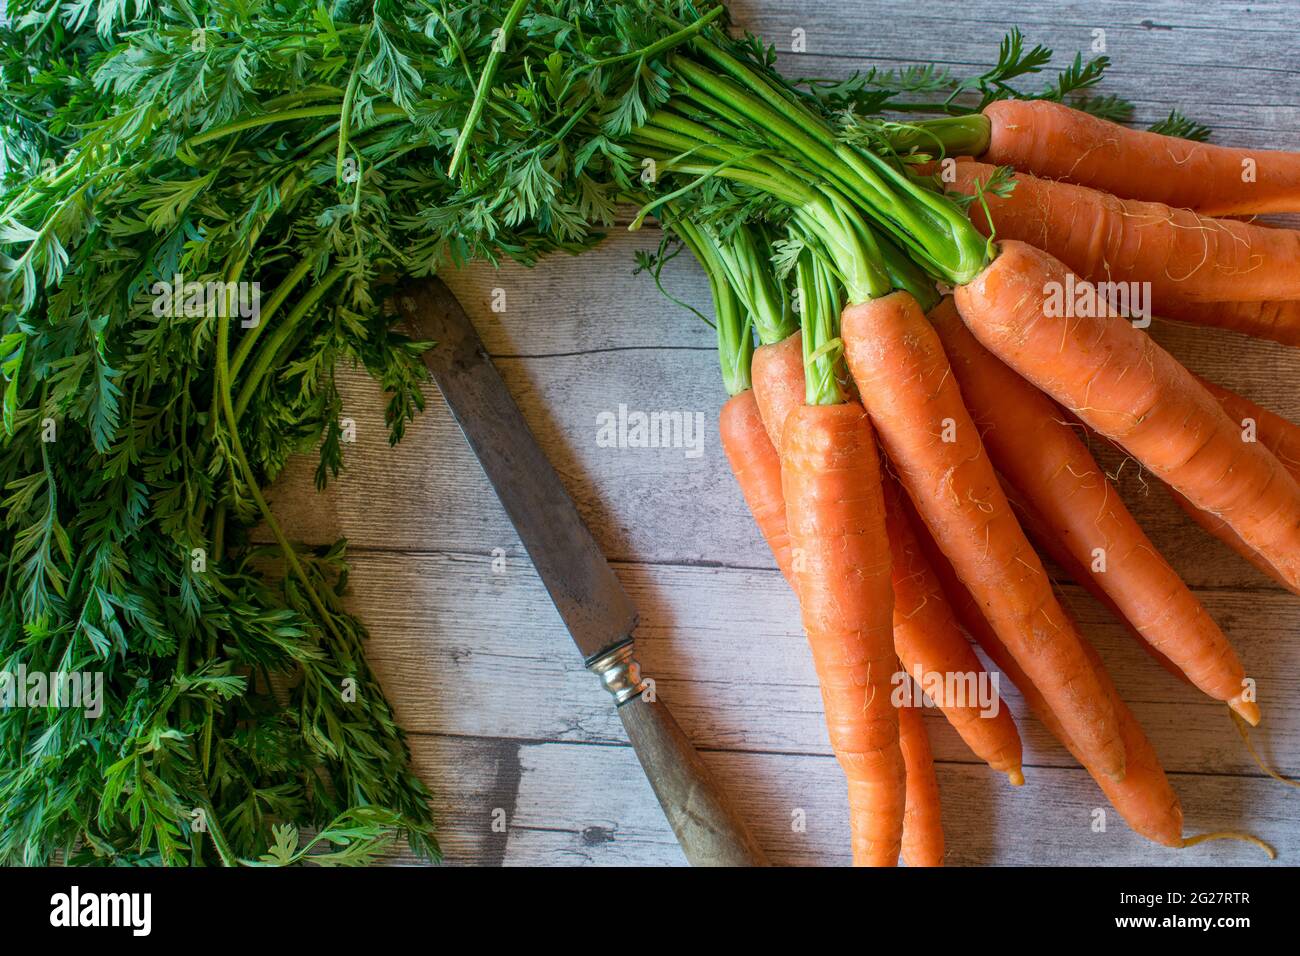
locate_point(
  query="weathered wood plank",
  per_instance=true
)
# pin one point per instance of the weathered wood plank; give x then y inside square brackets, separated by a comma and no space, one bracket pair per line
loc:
[918,25]
[1223,64]
[725,649]
[590,805]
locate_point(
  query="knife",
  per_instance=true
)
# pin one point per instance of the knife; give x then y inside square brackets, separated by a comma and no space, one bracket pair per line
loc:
[598,613]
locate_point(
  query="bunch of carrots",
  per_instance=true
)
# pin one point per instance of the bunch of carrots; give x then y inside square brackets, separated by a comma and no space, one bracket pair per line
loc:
[908,407]
[899,448]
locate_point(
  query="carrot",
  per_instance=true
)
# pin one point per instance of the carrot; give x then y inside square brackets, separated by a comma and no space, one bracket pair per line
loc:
[1124,386]
[831,478]
[1220,529]
[1185,257]
[1043,458]
[757,468]
[922,821]
[1275,433]
[907,387]
[925,636]
[928,641]
[1054,141]
[778,382]
[1279,321]
[1144,798]
[1046,541]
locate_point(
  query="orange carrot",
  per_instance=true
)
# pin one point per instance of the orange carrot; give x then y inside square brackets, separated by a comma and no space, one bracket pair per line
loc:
[1144,797]
[907,386]
[922,821]
[1275,433]
[925,636]
[1279,321]
[778,382]
[757,468]
[1043,458]
[1184,256]
[1220,529]
[1124,386]
[830,474]
[1054,141]
[928,641]
[1046,541]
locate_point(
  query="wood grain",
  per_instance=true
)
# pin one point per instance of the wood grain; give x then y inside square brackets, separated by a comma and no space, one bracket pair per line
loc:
[543,775]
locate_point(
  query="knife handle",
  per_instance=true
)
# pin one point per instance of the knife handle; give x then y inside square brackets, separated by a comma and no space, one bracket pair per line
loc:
[708,828]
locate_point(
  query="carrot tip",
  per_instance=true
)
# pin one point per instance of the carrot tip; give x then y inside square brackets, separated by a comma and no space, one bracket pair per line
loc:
[1016,777]
[1248,709]
[1231,835]
[1240,723]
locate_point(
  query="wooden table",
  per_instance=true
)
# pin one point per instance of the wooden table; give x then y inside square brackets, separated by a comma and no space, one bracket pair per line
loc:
[527,758]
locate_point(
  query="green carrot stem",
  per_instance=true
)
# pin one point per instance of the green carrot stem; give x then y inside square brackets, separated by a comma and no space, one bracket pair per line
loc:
[268,311]
[947,136]
[512,18]
[819,309]
[793,112]
[310,94]
[219,841]
[266,354]
[904,274]
[282,116]
[666,43]
[453,36]
[349,97]
[927,223]
[715,170]
[847,243]
[734,328]
[751,168]
[746,258]
[250,478]
[823,212]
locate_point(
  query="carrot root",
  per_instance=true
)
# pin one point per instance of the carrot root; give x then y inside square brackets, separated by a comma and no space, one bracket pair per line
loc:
[1184,257]
[908,388]
[1144,798]
[928,640]
[757,468]
[922,823]
[1244,730]
[778,377]
[1052,140]
[1122,384]
[835,512]
[1053,481]
[1192,841]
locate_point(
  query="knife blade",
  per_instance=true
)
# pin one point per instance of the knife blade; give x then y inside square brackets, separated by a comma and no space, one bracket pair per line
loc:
[591,601]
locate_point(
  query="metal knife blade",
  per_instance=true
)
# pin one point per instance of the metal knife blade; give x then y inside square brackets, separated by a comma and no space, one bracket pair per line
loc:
[594,606]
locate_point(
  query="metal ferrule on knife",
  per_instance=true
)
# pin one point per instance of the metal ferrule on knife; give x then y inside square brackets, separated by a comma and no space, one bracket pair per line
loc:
[619,673]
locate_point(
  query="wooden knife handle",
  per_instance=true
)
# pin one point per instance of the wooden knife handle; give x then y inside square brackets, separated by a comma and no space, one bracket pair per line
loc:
[707,826]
